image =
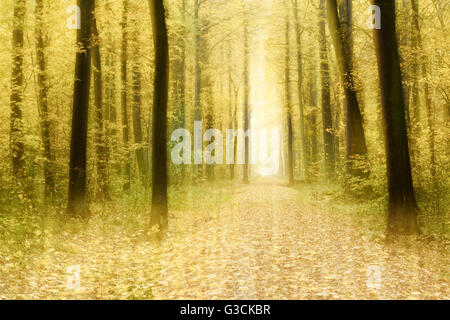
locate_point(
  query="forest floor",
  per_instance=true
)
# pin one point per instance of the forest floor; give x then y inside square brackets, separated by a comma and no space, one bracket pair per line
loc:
[258,241]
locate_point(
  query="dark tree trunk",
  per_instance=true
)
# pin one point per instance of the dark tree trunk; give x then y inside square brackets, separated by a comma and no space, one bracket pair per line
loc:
[356,142]
[288,107]
[402,216]
[160,97]
[326,101]
[16,101]
[77,204]
[300,90]
[49,170]
[100,138]
[124,105]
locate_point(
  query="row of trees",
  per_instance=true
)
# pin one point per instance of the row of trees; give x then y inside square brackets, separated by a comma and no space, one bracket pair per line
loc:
[403,209]
[211,48]
[89,61]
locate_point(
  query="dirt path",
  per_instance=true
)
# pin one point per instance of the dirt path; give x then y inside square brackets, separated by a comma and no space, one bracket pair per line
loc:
[263,244]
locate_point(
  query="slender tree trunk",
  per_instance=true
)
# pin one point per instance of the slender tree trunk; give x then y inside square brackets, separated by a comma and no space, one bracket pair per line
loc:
[47,152]
[16,101]
[404,35]
[414,111]
[427,94]
[160,97]
[230,103]
[326,100]
[124,104]
[431,128]
[402,216]
[178,75]
[198,72]
[337,129]
[287,102]
[235,121]
[137,103]
[300,90]
[356,142]
[246,178]
[77,204]
[312,173]
[110,104]
[415,95]
[100,138]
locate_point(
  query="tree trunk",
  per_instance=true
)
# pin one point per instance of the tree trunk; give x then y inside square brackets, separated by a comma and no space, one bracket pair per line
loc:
[356,142]
[427,94]
[288,107]
[178,76]
[100,139]
[326,100]
[415,95]
[312,172]
[403,31]
[246,172]
[137,103]
[125,125]
[300,90]
[47,152]
[198,73]
[402,216]
[160,97]
[77,204]
[110,102]
[230,103]
[16,100]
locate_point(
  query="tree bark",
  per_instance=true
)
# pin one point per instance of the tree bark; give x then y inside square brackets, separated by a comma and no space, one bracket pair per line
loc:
[288,107]
[402,216]
[100,138]
[124,104]
[77,204]
[313,143]
[42,80]
[137,104]
[16,100]
[246,172]
[356,142]
[160,97]
[329,153]
[415,93]
[298,33]
[198,72]
[230,102]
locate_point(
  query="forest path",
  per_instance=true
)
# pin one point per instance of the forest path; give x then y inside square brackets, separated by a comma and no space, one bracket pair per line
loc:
[264,244]
[258,241]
